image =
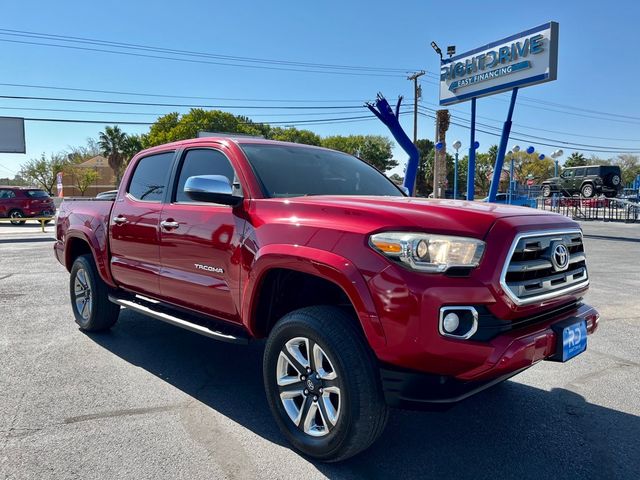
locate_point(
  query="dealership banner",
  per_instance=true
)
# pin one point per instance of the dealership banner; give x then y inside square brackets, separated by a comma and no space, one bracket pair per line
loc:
[524,59]
[59,184]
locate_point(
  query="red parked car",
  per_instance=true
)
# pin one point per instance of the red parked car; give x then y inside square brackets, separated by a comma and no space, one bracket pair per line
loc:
[367,298]
[23,202]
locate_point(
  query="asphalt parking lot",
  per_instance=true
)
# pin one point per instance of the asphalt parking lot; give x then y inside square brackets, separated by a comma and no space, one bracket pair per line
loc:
[148,400]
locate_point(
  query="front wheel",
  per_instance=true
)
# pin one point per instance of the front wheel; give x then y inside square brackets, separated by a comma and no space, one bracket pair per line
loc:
[90,297]
[322,384]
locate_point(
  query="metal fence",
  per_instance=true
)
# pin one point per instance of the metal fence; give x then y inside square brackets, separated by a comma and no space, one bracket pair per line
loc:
[597,208]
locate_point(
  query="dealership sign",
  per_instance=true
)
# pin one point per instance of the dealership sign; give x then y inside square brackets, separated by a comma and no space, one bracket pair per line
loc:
[520,60]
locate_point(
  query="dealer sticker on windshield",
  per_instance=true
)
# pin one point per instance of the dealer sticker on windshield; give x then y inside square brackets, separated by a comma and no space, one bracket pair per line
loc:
[574,340]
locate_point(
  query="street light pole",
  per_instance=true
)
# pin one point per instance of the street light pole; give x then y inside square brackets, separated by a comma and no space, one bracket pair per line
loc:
[515,149]
[456,145]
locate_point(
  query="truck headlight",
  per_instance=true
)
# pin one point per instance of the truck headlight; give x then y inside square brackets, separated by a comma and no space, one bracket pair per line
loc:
[429,253]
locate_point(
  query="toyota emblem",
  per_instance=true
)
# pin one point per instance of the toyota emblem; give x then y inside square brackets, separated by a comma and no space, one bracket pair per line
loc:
[560,257]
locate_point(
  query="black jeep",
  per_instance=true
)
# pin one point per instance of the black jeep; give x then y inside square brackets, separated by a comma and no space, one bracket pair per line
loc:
[586,181]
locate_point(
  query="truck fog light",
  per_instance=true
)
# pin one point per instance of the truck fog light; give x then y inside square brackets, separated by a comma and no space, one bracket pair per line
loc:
[460,322]
[451,322]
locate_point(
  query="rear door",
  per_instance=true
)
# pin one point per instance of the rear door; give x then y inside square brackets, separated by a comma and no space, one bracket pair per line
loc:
[200,242]
[578,178]
[134,226]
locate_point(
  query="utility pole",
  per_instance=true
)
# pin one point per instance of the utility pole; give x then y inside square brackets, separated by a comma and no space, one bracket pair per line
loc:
[416,95]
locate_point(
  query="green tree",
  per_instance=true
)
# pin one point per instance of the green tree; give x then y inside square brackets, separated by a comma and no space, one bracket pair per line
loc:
[424,177]
[629,167]
[294,135]
[576,159]
[112,142]
[484,171]
[373,149]
[397,179]
[43,170]
[132,145]
[173,126]
[82,177]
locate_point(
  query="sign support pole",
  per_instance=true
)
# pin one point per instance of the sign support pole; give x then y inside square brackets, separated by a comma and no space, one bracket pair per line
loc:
[471,167]
[504,139]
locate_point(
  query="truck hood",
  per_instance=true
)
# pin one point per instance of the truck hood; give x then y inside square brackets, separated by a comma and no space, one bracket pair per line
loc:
[365,214]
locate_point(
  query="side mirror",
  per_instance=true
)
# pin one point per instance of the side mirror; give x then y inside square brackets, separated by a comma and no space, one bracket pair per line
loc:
[212,189]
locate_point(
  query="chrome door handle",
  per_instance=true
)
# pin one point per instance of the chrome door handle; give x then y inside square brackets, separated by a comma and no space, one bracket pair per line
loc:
[119,220]
[169,225]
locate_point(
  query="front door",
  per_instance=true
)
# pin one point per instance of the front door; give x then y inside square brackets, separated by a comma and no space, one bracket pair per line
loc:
[134,225]
[566,181]
[200,242]
[7,201]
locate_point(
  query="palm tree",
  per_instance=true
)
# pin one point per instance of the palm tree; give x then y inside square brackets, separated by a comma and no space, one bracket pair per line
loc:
[576,159]
[112,143]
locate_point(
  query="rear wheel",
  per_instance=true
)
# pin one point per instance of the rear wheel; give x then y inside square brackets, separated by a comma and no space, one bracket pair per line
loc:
[322,384]
[90,297]
[17,214]
[587,190]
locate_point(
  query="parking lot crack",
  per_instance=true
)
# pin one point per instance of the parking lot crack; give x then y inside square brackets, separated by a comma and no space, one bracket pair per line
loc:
[123,413]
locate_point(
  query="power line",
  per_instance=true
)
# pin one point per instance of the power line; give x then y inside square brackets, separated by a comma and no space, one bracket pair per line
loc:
[545,104]
[186,105]
[156,114]
[158,95]
[135,46]
[558,143]
[536,128]
[316,121]
[198,61]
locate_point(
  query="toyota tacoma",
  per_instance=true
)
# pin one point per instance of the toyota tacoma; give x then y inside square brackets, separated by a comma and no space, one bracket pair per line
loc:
[367,299]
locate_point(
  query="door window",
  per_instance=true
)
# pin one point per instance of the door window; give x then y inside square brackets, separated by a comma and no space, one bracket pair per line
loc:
[150,178]
[580,172]
[204,162]
[568,174]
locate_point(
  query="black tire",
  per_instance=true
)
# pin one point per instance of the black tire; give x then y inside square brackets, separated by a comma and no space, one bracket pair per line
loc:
[17,214]
[96,313]
[587,190]
[362,410]
[546,190]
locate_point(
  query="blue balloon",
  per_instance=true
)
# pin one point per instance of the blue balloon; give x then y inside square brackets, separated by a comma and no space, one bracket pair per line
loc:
[476,145]
[439,146]
[530,150]
[541,157]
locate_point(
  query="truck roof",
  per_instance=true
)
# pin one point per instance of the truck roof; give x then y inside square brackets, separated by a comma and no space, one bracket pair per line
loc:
[238,140]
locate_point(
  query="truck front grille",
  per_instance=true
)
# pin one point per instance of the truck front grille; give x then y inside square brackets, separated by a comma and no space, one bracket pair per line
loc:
[544,265]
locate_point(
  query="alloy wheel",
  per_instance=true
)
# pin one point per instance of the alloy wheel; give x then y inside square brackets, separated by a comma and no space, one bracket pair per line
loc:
[308,386]
[82,293]
[17,215]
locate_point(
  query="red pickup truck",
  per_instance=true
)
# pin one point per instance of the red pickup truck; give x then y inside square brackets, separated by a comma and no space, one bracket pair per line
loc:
[367,298]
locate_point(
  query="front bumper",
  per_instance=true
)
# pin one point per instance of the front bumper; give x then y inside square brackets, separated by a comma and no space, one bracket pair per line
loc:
[512,352]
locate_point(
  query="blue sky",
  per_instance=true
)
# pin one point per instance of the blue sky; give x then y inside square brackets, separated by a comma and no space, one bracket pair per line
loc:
[597,66]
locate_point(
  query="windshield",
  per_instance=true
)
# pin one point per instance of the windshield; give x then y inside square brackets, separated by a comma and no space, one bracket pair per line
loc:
[291,171]
[37,194]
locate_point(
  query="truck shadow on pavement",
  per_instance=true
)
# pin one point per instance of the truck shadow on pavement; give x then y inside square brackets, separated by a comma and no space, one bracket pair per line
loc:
[509,431]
